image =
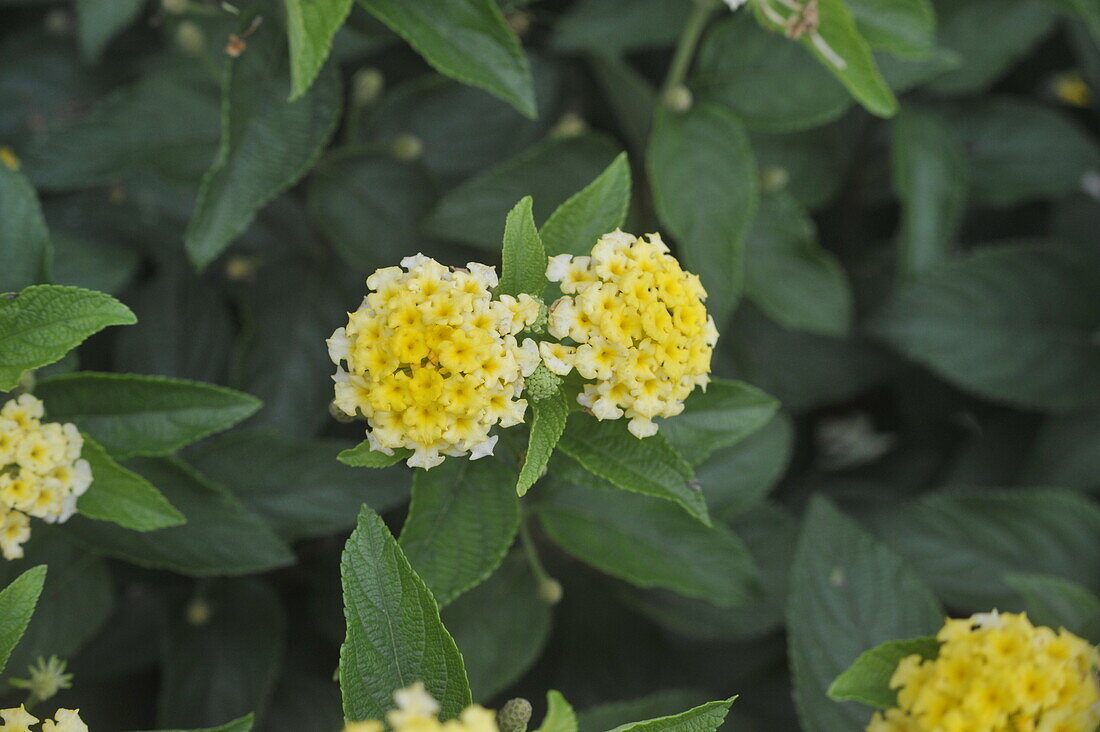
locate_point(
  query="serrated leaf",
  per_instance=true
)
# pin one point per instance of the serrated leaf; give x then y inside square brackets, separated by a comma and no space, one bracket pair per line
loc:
[789,276]
[524,259]
[704,181]
[311,25]
[244,724]
[17,602]
[867,680]
[122,496]
[25,249]
[650,466]
[267,144]
[599,208]
[723,415]
[560,716]
[848,593]
[133,415]
[362,456]
[39,325]
[394,636]
[220,537]
[1015,324]
[647,542]
[99,21]
[467,40]
[704,718]
[296,485]
[609,715]
[462,520]
[964,542]
[227,665]
[1058,603]
[547,425]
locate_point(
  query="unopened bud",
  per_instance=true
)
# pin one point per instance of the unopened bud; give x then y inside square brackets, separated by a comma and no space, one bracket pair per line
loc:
[190,38]
[774,178]
[550,591]
[514,715]
[678,98]
[58,22]
[367,86]
[27,382]
[198,612]
[240,269]
[570,125]
[175,7]
[9,158]
[542,383]
[339,414]
[520,22]
[407,147]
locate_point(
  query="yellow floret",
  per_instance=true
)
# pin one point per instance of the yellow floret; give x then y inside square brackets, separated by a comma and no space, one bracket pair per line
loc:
[432,361]
[639,325]
[417,711]
[41,473]
[997,671]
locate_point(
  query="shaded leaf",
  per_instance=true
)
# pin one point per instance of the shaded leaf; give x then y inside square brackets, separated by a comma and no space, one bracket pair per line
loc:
[17,602]
[25,250]
[726,413]
[599,208]
[122,496]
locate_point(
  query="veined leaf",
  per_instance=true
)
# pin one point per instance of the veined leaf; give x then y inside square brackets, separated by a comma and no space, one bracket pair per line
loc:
[311,25]
[524,266]
[867,681]
[143,415]
[599,208]
[560,716]
[244,724]
[99,21]
[1057,602]
[17,602]
[547,425]
[122,496]
[704,718]
[723,415]
[25,249]
[362,456]
[39,325]
[394,636]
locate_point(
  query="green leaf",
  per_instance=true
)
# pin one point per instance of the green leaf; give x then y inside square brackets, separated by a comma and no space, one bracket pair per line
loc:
[244,724]
[723,415]
[227,665]
[650,466]
[296,485]
[41,324]
[617,26]
[1015,324]
[903,27]
[1089,14]
[851,60]
[930,177]
[143,415]
[560,716]
[395,636]
[311,25]
[600,207]
[1066,453]
[630,95]
[267,144]
[609,715]
[647,542]
[220,537]
[547,425]
[738,477]
[467,40]
[462,520]
[99,21]
[704,718]
[17,603]
[964,542]
[501,626]
[550,172]
[121,496]
[790,276]
[25,250]
[867,680]
[362,456]
[92,262]
[815,161]
[524,266]
[848,593]
[1057,602]
[704,183]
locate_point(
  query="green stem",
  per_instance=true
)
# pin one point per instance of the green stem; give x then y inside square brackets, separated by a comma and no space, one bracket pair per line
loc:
[688,43]
[532,553]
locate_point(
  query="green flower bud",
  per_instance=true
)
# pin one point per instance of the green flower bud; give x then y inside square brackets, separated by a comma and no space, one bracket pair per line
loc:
[543,383]
[407,147]
[514,715]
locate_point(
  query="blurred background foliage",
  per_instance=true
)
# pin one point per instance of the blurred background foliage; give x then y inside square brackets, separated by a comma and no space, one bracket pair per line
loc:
[920,292]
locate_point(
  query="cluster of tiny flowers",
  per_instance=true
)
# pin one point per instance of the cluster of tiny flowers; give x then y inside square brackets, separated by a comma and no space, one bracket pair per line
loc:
[417,712]
[433,362]
[634,325]
[997,672]
[41,473]
[20,720]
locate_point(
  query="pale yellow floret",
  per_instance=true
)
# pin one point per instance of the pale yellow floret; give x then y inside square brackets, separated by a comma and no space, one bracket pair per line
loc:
[417,711]
[41,473]
[19,720]
[432,361]
[640,326]
[997,671]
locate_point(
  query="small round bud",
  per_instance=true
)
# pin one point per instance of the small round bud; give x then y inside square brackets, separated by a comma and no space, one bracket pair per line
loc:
[678,98]
[367,86]
[542,383]
[9,158]
[58,22]
[407,147]
[550,591]
[570,125]
[198,612]
[175,7]
[240,269]
[514,715]
[774,178]
[520,22]
[190,38]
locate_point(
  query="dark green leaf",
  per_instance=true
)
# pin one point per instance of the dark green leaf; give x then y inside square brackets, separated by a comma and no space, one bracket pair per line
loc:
[738,477]
[311,24]
[524,258]
[1066,453]
[705,718]
[98,21]
[25,251]
[726,413]
[903,27]
[395,636]
[17,602]
[244,724]
[867,680]
[609,715]
[599,208]
[616,26]
[547,424]
[123,497]
[362,456]
[1057,602]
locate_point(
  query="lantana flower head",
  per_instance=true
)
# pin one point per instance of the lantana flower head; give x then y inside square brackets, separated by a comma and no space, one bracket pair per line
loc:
[20,720]
[417,711]
[41,472]
[432,360]
[632,323]
[997,671]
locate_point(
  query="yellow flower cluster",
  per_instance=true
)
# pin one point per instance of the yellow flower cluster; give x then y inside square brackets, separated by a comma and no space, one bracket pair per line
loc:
[20,720]
[638,326]
[432,360]
[417,712]
[41,473]
[996,672]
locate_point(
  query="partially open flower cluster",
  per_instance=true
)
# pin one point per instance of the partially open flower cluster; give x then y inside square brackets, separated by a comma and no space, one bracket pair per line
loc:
[997,672]
[641,330]
[432,360]
[417,712]
[20,720]
[41,473]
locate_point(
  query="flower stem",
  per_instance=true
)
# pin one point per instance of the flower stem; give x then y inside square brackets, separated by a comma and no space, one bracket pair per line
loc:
[686,46]
[532,552]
